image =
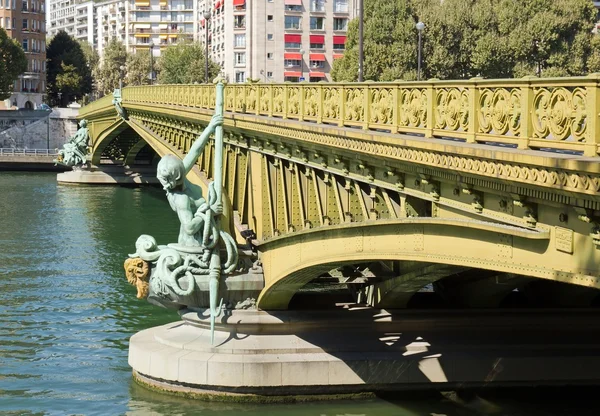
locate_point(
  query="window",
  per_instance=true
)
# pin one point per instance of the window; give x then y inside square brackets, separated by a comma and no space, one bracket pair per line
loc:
[7,25]
[292,22]
[269,18]
[317,46]
[269,75]
[269,36]
[292,45]
[240,40]
[25,45]
[291,79]
[317,6]
[340,6]
[340,23]
[293,8]
[240,58]
[240,77]
[270,55]
[317,23]
[24,5]
[25,24]
[317,64]
[292,62]
[239,22]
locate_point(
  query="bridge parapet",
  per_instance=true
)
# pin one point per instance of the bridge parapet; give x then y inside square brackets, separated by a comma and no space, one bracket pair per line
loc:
[528,113]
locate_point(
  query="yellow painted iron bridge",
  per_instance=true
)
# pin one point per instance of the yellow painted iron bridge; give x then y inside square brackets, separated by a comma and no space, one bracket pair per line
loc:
[476,187]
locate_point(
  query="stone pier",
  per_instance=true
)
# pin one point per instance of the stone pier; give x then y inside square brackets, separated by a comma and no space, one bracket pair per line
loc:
[289,355]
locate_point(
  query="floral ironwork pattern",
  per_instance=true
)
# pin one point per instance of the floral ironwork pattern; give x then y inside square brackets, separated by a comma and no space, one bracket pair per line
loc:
[311,101]
[500,111]
[560,113]
[451,109]
[413,107]
[293,100]
[355,99]
[265,99]
[382,105]
[331,103]
[278,98]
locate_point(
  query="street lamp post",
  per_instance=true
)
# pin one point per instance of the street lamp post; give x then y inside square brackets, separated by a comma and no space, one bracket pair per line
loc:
[151,63]
[420,26]
[361,57]
[121,69]
[301,63]
[59,99]
[206,20]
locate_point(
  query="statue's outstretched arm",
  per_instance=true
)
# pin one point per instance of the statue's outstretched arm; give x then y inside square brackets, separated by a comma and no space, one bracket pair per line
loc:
[199,144]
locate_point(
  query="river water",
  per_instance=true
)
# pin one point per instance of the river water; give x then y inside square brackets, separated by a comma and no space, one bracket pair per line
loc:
[67,312]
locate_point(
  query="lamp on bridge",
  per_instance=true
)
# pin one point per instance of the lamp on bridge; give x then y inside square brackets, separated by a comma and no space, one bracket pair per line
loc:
[420,26]
[301,64]
[206,20]
[151,63]
[121,71]
[361,58]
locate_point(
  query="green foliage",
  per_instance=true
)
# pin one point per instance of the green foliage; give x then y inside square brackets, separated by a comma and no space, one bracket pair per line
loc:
[68,80]
[65,54]
[109,72]
[183,63]
[467,38]
[91,57]
[138,68]
[12,63]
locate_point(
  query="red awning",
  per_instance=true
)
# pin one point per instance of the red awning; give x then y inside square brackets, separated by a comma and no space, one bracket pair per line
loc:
[339,40]
[317,75]
[317,39]
[292,74]
[317,57]
[217,5]
[293,38]
[203,22]
[293,2]
[338,55]
[239,2]
[295,56]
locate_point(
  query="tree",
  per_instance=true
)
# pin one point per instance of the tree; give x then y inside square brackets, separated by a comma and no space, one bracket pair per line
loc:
[467,38]
[65,53]
[138,68]
[92,58]
[183,63]
[110,72]
[12,63]
[68,80]
[389,43]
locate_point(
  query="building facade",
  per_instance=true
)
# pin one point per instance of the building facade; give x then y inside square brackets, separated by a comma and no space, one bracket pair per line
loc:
[269,40]
[24,20]
[276,40]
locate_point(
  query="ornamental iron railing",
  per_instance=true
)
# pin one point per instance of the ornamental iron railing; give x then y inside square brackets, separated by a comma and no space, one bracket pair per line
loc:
[560,114]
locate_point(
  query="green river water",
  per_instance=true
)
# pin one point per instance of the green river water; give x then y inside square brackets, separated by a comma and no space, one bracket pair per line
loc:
[67,312]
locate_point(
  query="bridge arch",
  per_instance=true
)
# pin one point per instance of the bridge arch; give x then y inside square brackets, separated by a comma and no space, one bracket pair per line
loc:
[293,260]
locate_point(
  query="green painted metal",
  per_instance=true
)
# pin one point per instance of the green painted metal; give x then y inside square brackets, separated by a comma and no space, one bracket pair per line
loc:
[196,254]
[74,152]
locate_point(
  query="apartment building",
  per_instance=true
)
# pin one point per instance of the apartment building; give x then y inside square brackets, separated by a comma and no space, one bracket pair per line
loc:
[156,24]
[76,17]
[24,20]
[276,40]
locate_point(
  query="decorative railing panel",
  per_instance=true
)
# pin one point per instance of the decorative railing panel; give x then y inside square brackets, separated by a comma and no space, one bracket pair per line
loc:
[528,113]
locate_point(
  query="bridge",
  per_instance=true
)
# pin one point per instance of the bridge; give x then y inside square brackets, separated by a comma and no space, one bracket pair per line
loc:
[475,189]
[28,159]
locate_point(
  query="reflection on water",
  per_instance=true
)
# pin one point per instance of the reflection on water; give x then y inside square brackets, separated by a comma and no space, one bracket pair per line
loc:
[67,312]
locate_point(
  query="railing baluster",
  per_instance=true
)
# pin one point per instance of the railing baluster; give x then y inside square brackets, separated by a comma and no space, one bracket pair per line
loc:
[527,111]
[592,138]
